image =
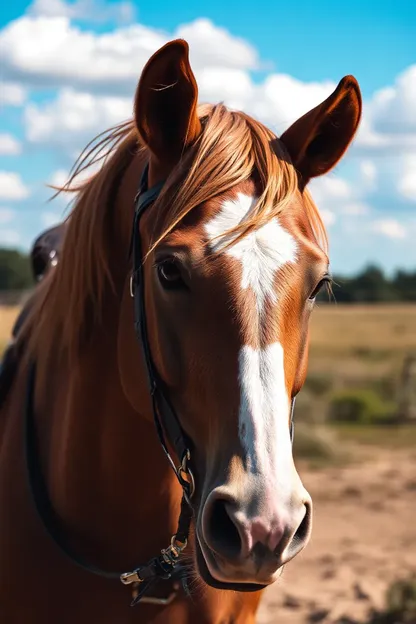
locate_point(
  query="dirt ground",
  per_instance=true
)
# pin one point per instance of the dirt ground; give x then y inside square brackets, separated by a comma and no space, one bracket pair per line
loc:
[364,536]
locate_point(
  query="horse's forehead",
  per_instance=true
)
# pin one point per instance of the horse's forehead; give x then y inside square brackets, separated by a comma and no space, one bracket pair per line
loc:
[261,254]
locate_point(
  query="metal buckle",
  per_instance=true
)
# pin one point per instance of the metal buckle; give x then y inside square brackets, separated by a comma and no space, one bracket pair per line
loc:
[127,578]
[172,553]
[189,482]
[131,286]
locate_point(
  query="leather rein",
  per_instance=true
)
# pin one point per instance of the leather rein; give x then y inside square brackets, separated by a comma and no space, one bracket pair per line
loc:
[165,566]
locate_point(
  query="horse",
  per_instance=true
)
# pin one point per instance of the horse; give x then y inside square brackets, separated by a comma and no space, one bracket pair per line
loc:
[199,237]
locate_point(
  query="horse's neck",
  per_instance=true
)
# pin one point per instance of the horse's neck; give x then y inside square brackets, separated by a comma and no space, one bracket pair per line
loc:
[108,476]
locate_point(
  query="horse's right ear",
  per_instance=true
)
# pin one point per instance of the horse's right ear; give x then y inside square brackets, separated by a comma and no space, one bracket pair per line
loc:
[165,107]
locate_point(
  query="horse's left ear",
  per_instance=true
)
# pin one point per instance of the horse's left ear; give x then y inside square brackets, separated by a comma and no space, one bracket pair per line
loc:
[166,101]
[317,141]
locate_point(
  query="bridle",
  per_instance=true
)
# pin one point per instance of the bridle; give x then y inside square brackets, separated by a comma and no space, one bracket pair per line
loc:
[166,565]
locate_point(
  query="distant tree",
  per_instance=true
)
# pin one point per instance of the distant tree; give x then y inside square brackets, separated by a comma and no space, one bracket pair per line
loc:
[371,286]
[15,271]
[405,285]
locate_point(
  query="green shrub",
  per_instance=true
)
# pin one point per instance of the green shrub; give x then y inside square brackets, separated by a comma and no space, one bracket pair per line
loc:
[316,443]
[318,385]
[400,604]
[385,387]
[361,406]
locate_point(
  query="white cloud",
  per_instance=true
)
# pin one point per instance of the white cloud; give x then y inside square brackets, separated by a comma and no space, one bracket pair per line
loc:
[390,228]
[389,119]
[92,11]
[393,108]
[407,182]
[9,146]
[12,187]
[214,46]
[336,197]
[328,217]
[74,118]
[6,215]
[281,99]
[60,177]
[11,94]
[44,47]
[9,237]
[50,50]
[368,173]
[355,208]
[331,187]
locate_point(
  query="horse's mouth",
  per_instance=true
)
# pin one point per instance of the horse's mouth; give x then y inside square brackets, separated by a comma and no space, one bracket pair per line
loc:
[210,580]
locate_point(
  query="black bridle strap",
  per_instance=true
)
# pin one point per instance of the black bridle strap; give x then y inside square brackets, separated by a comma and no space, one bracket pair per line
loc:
[164,415]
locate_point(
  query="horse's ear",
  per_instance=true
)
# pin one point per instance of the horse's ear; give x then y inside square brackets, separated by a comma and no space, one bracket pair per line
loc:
[166,101]
[317,141]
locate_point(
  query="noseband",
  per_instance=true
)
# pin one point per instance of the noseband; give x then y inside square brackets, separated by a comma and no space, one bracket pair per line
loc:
[166,565]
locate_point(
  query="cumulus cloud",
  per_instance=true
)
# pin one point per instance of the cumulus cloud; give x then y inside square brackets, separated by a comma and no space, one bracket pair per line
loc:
[62,54]
[389,120]
[12,94]
[50,51]
[107,65]
[393,109]
[368,171]
[74,118]
[407,181]
[337,197]
[9,146]
[391,228]
[211,45]
[92,11]
[60,177]
[46,48]
[12,187]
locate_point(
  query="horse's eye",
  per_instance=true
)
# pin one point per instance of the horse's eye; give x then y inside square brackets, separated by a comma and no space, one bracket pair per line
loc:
[169,275]
[318,287]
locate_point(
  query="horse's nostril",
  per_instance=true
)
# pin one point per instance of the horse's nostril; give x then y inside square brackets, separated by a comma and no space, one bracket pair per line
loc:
[302,533]
[222,534]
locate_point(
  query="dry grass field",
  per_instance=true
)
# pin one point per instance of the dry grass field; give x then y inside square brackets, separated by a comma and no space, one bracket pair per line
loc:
[7,317]
[362,339]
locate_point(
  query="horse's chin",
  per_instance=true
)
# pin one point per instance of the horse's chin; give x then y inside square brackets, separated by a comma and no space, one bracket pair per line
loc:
[210,580]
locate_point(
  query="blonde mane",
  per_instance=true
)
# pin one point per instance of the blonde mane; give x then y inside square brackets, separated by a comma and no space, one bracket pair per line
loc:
[232,148]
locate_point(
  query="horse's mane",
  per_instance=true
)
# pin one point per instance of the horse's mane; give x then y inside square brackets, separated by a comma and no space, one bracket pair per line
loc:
[232,147]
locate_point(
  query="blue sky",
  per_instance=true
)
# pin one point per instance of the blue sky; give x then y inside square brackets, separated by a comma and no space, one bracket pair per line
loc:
[69,71]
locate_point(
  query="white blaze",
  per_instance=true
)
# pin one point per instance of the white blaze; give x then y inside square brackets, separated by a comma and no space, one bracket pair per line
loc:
[264,409]
[264,404]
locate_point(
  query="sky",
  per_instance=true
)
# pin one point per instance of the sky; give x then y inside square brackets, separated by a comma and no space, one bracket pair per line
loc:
[69,70]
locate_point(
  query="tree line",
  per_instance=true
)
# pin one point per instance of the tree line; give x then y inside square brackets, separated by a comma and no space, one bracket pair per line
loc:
[371,285]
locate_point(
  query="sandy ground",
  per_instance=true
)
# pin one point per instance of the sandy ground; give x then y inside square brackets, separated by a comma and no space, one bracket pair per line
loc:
[364,536]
